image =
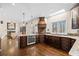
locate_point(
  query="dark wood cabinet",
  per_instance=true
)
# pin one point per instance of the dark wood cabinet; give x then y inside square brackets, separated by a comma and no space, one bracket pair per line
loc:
[63,43]
[41,38]
[53,41]
[47,39]
[37,39]
[72,42]
[22,41]
[67,43]
[57,41]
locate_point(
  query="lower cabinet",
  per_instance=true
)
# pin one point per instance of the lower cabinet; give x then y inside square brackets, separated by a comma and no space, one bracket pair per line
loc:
[56,41]
[22,41]
[53,41]
[65,44]
[41,38]
[72,42]
[59,42]
[48,40]
[37,39]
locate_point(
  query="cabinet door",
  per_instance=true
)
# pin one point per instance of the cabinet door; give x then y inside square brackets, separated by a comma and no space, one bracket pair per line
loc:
[37,39]
[47,39]
[65,44]
[23,41]
[50,40]
[56,41]
[41,38]
[72,42]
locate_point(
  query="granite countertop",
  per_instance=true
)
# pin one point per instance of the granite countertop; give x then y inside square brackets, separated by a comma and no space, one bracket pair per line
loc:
[61,35]
[22,35]
[75,48]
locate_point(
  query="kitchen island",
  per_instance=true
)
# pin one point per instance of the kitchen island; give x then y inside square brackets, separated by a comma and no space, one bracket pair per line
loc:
[64,42]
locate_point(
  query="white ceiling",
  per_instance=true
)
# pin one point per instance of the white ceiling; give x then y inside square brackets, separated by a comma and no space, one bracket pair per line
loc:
[31,9]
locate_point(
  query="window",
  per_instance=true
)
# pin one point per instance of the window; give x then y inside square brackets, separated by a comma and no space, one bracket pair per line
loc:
[59,27]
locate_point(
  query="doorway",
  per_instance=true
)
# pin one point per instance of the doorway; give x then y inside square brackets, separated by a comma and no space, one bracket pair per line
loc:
[11,30]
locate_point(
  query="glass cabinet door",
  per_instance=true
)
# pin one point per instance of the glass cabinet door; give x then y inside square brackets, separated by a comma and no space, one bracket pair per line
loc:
[59,27]
[54,26]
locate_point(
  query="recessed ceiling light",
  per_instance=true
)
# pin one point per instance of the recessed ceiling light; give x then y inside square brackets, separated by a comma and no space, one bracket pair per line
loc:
[13,4]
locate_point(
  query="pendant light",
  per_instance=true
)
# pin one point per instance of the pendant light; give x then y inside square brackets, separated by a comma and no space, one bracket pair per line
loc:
[23,19]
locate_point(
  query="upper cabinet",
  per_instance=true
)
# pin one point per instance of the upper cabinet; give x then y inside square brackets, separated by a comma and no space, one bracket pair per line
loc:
[75,18]
[59,27]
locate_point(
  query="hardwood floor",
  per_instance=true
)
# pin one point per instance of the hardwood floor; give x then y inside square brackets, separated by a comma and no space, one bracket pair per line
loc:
[10,48]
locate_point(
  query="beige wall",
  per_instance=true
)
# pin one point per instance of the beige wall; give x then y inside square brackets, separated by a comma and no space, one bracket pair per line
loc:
[3,27]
